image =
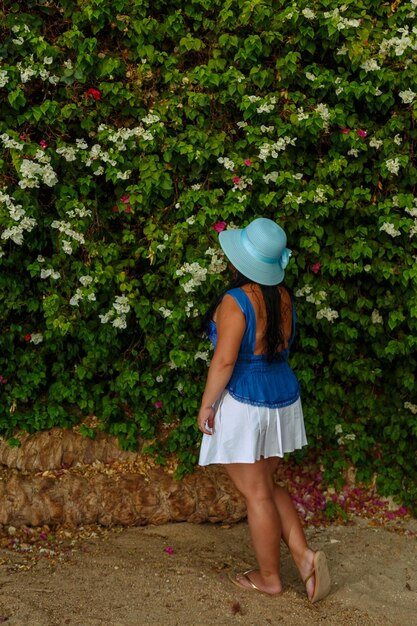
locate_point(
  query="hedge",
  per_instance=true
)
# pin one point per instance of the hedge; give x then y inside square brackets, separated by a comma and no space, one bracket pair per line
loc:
[131,131]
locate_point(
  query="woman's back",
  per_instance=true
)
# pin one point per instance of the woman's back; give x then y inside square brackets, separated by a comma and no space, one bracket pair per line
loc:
[254,293]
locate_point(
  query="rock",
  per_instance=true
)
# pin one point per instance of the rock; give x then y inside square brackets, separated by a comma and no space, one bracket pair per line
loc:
[98,485]
[60,448]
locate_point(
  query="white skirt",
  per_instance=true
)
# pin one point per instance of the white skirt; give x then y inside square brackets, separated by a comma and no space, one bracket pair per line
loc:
[244,433]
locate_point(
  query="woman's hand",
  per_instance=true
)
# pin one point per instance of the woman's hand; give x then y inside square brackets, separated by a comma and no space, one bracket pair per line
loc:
[205,420]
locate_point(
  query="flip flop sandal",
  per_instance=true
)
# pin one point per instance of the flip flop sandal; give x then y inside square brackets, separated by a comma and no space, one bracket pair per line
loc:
[321,573]
[252,587]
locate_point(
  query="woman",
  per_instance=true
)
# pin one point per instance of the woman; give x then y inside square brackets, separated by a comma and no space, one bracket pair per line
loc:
[251,412]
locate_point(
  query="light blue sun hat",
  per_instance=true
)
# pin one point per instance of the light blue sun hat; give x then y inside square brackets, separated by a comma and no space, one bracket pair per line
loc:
[258,251]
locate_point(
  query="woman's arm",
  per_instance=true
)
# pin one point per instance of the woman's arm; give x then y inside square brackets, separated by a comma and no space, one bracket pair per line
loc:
[231,325]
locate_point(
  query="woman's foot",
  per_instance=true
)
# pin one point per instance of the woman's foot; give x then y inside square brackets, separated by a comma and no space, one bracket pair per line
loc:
[252,580]
[306,569]
[315,574]
[321,577]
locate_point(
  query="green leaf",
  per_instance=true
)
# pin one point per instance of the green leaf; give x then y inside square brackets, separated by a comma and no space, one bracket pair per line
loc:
[17,99]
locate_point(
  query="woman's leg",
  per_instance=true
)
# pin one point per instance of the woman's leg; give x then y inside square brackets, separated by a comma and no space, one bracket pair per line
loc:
[292,531]
[255,482]
[271,515]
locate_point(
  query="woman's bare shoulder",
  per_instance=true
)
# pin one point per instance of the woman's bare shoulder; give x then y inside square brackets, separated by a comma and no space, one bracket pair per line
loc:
[228,306]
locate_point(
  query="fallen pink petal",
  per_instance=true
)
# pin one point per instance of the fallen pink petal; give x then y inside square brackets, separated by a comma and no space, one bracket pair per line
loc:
[169,550]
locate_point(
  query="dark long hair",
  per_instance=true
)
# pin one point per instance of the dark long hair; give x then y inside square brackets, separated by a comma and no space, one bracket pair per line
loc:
[274,334]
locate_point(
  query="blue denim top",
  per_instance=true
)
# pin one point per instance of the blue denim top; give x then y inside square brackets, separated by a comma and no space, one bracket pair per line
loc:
[254,380]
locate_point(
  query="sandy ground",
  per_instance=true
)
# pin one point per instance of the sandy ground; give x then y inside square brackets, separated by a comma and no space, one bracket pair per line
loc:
[176,575]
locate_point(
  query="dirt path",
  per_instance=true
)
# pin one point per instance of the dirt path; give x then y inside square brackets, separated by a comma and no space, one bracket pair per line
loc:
[176,575]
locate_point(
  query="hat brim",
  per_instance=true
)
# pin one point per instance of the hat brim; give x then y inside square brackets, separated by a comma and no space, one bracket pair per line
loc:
[254,269]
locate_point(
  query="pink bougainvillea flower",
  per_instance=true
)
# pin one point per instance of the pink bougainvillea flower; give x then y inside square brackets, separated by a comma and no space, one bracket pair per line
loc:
[247,162]
[236,180]
[128,209]
[362,133]
[158,404]
[115,209]
[378,502]
[316,267]
[27,337]
[43,536]
[3,380]
[94,93]
[125,199]
[23,136]
[43,144]
[219,226]
[169,550]
[345,131]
